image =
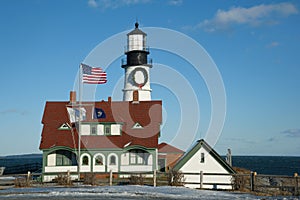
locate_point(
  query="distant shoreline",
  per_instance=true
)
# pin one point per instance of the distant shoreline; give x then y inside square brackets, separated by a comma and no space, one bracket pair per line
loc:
[22,155]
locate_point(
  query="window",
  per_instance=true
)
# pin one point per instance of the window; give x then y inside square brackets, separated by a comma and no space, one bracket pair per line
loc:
[112,160]
[132,158]
[202,158]
[85,129]
[135,95]
[93,129]
[62,160]
[107,129]
[115,129]
[64,126]
[137,126]
[141,158]
[99,160]
[100,129]
[138,157]
[65,158]
[85,160]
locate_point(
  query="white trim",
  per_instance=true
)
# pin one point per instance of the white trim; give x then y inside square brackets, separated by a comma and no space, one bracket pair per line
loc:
[51,169]
[136,168]
[114,168]
[99,168]
[85,168]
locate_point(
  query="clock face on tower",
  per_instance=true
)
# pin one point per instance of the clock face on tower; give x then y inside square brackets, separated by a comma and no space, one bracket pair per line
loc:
[139,77]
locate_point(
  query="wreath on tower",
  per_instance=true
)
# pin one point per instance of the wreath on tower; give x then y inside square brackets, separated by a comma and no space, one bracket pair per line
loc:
[145,74]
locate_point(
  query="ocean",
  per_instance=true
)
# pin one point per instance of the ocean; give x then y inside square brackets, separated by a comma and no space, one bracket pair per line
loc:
[21,164]
[271,165]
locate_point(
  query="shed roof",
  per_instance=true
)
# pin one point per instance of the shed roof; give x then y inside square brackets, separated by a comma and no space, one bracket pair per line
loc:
[167,148]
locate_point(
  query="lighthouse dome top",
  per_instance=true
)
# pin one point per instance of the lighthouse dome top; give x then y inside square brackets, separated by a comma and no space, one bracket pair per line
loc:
[136,31]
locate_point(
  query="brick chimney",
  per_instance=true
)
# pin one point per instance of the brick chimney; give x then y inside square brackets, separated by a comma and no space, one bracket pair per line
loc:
[72,97]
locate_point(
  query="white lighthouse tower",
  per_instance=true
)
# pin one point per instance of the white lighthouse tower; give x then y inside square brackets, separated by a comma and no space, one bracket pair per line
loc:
[137,67]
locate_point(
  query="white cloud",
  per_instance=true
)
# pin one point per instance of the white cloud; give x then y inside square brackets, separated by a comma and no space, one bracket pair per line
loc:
[92,3]
[112,4]
[175,2]
[273,44]
[241,140]
[253,16]
[291,132]
[13,111]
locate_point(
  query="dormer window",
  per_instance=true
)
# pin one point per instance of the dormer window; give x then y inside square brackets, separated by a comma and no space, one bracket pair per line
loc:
[64,126]
[137,126]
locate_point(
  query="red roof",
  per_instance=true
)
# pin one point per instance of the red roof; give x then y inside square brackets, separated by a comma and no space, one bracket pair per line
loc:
[166,148]
[147,113]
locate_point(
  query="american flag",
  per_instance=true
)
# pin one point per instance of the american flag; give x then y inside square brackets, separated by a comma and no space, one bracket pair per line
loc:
[93,75]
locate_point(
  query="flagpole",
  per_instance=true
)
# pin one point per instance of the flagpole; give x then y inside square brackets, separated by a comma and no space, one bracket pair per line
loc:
[79,122]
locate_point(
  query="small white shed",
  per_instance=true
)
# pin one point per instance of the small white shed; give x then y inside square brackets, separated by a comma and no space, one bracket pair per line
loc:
[204,168]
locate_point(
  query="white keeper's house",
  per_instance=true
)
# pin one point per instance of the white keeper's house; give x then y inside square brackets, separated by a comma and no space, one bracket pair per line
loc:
[122,136]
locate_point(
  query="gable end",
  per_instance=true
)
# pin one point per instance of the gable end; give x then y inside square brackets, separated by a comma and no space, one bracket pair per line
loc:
[212,152]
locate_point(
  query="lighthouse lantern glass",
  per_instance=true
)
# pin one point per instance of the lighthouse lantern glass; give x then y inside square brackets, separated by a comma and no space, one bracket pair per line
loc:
[136,42]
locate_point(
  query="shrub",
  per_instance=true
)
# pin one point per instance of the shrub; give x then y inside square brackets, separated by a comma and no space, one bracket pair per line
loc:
[90,179]
[22,182]
[136,179]
[241,182]
[63,179]
[175,178]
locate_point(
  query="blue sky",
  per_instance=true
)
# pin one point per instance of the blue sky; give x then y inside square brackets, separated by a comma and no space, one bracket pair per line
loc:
[255,45]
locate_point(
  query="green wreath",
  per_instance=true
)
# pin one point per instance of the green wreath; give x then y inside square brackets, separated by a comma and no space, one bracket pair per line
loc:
[145,74]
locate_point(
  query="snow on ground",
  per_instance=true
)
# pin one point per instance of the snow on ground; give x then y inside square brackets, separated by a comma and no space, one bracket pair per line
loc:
[121,192]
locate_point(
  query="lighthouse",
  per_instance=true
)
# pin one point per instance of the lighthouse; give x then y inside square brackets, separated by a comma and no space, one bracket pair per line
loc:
[137,67]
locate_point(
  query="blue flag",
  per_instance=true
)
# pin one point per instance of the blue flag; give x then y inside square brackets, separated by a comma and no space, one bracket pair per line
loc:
[99,113]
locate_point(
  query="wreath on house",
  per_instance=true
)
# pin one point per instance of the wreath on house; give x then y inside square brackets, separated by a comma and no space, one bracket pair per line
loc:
[145,74]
